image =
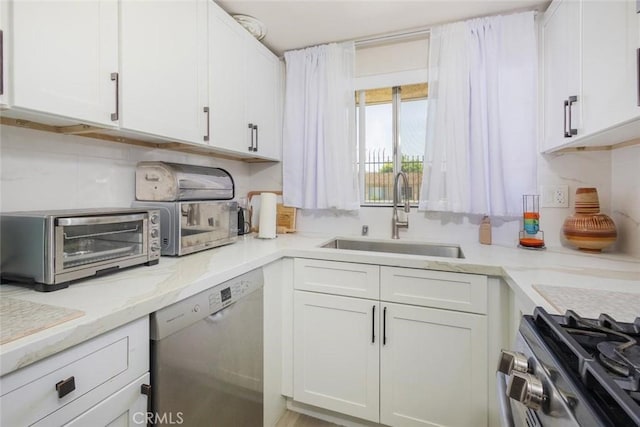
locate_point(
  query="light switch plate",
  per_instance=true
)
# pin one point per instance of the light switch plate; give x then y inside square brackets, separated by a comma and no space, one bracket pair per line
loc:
[554,196]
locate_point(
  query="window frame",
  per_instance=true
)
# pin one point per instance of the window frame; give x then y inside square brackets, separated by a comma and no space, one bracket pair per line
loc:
[396,100]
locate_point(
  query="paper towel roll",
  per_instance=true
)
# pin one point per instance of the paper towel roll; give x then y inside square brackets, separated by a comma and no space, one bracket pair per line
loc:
[267,229]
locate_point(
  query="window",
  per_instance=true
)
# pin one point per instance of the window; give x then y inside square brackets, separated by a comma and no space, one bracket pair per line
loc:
[391,131]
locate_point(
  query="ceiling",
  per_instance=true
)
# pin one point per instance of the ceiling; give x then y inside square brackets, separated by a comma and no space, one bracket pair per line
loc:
[294,24]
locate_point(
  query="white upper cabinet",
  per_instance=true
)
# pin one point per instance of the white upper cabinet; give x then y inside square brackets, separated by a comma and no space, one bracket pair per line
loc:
[609,63]
[163,80]
[264,100]
[560,41]
[63,54]
[245,90]
[589,74]
[229,129]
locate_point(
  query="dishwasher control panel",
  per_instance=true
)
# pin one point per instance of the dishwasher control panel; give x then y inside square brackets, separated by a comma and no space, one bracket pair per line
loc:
[168,320]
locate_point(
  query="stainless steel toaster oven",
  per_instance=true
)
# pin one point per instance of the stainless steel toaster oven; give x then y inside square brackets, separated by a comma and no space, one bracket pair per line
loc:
[193,226]
[52,248]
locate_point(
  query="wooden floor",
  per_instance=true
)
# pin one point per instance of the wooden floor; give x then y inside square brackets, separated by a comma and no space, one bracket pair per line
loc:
[293,419]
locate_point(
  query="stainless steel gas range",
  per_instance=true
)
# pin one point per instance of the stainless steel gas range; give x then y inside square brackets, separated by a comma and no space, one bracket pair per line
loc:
[570,371]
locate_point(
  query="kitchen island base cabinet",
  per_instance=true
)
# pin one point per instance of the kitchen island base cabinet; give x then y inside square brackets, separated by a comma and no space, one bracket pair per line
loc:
[336,353]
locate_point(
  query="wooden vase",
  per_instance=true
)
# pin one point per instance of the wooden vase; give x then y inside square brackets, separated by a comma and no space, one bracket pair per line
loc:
[588,229]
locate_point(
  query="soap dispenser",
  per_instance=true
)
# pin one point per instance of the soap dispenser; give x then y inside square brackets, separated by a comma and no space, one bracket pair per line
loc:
[485,231]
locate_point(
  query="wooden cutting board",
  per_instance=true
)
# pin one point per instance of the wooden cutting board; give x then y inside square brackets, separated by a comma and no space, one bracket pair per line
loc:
[285,219]
[20,318]
[285,215]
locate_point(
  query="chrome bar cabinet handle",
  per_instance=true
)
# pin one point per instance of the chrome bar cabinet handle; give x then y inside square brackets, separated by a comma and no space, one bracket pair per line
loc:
[255,148]
[206,111]
[116,78]
[564,127]
[572,131]
[251,128]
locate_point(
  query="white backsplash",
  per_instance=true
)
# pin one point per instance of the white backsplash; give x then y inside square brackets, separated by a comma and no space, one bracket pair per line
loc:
[42,170]
[600,169]
[625,197]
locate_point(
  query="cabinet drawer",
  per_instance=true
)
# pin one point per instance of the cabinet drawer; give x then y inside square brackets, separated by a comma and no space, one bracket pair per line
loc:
[126,408]
[100,367]
[339,278]
[439,289]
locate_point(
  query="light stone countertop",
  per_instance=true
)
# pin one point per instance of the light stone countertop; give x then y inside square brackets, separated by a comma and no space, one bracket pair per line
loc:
[116,299]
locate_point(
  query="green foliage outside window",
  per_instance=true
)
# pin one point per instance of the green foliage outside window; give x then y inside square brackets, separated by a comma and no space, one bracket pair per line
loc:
[408,165]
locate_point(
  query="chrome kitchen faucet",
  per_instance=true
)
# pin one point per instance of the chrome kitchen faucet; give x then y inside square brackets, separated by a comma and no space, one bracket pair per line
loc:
[396,223]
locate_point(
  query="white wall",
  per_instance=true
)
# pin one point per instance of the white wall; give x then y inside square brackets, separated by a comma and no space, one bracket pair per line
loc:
[41,170]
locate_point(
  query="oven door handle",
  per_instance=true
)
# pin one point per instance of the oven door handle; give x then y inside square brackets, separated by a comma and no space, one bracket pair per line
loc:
[504,405]
[101,219]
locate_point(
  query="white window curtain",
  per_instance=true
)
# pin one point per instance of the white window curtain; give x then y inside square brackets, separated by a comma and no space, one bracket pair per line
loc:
[319,167]
[480,154]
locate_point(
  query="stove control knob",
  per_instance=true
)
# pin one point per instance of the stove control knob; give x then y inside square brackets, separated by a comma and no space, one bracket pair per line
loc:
[526,389]
[512,361]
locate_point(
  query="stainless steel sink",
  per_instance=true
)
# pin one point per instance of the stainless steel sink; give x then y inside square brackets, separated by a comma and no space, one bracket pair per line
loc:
[410,248]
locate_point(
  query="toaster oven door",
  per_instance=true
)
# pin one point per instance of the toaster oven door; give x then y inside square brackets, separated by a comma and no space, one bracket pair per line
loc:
[99,241]
[207,224]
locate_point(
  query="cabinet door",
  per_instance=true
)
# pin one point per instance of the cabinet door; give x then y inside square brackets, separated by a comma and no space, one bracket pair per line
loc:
[433,367]
[63,55]
[126,408]
[263,99]
[4,53]
[561,71]
[229,128]
[609,63]
[163,79]
[336,353]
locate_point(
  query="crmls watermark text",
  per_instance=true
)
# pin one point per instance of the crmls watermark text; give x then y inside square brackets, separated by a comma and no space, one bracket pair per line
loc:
[165,418]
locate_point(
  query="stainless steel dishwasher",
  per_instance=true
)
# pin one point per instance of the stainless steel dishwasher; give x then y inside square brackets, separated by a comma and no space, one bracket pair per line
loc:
[207,357]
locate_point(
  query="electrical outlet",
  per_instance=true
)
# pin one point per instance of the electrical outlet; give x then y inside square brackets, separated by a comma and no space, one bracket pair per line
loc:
[554,196]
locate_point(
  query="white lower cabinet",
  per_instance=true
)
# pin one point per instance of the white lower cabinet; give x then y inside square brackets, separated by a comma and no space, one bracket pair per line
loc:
[336,353]
[390,363]
[432,367]
[97,382]
[126,408]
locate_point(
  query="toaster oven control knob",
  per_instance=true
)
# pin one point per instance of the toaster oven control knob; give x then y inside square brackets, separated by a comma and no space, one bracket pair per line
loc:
[155,247]
[154,219]
[154,233]
[512,361]
[526,389]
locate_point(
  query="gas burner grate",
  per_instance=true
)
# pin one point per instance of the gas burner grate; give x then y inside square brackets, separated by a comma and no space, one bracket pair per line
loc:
[601,354]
